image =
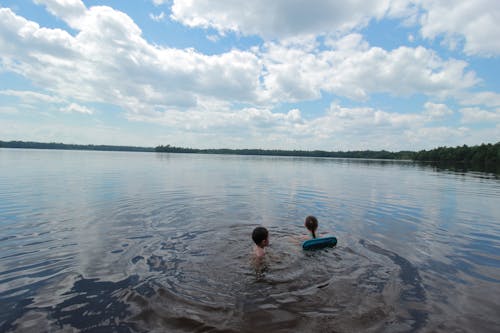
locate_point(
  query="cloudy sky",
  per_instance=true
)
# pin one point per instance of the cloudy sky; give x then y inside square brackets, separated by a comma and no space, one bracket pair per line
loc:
[284,74]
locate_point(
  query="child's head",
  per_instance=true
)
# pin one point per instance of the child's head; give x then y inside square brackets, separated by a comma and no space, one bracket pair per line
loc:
[311,224]
[260,236]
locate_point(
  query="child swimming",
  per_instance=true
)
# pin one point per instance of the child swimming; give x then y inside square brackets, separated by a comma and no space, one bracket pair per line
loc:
[311,223]
[260,236]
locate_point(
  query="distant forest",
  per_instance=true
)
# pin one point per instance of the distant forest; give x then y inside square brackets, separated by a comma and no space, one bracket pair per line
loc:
[64,146]
[381,154]
[484,155]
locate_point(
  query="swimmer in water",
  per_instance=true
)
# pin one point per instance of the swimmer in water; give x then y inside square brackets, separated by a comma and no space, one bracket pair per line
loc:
[311,223]
[260,237]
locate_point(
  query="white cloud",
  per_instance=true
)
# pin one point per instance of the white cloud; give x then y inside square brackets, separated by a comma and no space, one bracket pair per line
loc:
[53,130]
[157,18]
[432,137]
[31,96]
[408,10]
[160,2]
[475,115]
[475,23]
[201,96]
[108,61]
[353,69]
[230,121]
[73,107]
[349,43]
[8,110]
[368,128]
[40,101]
[361,119]
[70,11]
[213,38]
[339,128]
[436,110]
[486,98]
[278,18]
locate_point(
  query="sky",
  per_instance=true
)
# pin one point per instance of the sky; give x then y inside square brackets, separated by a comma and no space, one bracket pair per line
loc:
[283,74]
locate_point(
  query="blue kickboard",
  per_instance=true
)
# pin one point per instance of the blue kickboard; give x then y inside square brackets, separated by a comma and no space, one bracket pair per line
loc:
[319,243]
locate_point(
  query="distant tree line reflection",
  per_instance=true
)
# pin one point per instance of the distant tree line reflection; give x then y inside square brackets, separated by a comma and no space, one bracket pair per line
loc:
[481,157]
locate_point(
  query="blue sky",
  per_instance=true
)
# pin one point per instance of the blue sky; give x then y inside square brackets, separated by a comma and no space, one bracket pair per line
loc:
[317,74]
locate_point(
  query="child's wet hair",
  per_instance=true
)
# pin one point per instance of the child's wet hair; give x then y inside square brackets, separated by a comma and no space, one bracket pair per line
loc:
[259,234]
[311,224]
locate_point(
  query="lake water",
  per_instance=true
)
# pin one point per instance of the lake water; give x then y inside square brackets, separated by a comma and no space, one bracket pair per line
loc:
[138,242]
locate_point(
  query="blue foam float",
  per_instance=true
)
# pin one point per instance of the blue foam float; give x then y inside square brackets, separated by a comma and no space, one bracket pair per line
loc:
[319,243]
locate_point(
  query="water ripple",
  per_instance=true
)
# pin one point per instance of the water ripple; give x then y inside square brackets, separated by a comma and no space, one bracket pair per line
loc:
[123,242]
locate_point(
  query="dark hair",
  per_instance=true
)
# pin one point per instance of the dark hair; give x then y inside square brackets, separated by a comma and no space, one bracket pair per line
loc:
[259,234]
[311,224]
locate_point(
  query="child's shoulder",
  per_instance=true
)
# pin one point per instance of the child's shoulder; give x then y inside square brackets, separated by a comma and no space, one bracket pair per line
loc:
[258,251]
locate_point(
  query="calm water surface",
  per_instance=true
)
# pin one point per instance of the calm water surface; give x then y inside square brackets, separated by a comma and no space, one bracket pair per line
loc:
[145,242]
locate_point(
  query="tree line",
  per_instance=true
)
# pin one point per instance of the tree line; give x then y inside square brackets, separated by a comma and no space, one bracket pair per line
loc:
[486,155]
[64,146]
[381,154]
